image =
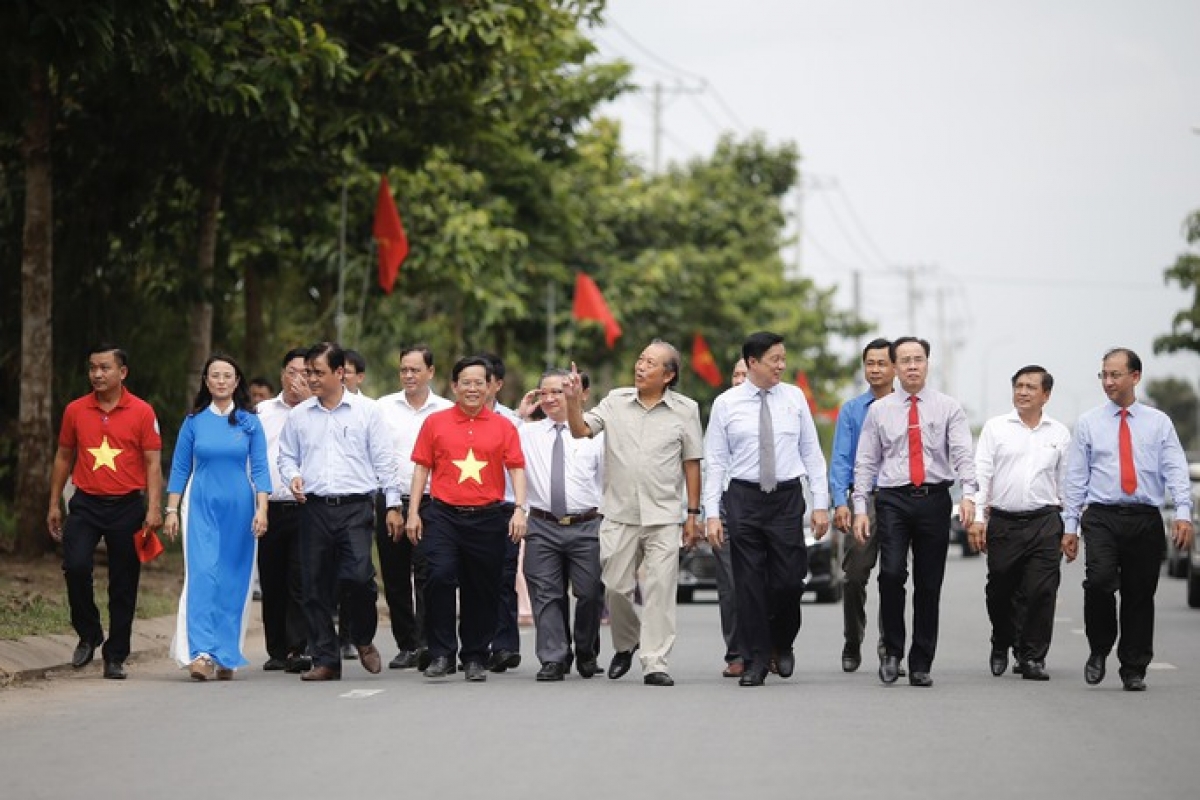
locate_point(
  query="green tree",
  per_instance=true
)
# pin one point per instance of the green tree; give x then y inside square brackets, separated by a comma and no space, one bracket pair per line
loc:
[1177,399]
[1185,326]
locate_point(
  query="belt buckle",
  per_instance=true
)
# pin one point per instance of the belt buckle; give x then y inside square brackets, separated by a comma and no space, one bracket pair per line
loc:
[564,521]
[920,491]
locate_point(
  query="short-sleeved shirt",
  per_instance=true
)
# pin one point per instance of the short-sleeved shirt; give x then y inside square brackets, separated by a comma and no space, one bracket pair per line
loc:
[110,446]
[467,456]
[644,451]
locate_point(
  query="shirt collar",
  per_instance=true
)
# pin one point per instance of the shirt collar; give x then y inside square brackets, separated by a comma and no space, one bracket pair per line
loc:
[485,413]
[122,401]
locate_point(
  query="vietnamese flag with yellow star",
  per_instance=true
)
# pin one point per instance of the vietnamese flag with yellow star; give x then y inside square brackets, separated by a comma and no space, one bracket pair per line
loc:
[703,362]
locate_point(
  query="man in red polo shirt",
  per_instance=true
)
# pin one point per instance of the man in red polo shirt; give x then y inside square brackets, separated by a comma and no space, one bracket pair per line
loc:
[118,488]
[466,449]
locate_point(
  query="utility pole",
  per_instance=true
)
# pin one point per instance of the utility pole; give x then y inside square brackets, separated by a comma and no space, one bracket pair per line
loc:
[914,294]
[656,103]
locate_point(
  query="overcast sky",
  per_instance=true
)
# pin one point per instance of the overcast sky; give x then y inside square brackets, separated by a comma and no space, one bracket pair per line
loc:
[1032,160]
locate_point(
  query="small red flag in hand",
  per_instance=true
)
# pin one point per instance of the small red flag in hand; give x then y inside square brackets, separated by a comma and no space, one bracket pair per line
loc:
[703,363]
[589,304]
[390,239]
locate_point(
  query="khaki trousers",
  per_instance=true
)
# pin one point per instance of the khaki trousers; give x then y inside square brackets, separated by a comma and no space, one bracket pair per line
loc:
[623,550]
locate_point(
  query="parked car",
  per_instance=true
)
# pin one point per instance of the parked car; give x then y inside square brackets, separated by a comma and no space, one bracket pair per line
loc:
[958,531]
[698,568]
[1193,576]
[1177,560]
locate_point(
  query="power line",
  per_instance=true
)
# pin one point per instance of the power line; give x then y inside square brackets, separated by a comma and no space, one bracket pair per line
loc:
[854,218]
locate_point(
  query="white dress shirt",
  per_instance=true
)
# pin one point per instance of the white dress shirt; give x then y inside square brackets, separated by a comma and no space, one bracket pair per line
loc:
[272,414]
[405,422]
[347,449]
[731,442]
[1020,468]
[583,460]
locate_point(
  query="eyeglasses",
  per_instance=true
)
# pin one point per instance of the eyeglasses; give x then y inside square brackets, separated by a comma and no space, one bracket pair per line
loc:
[1111,376]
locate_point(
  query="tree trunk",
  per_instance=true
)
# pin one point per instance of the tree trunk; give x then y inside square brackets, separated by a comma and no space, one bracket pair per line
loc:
[252,297]
[200,318]
[37,352]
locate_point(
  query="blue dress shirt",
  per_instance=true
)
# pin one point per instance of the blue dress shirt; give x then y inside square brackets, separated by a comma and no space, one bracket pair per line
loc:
[845,446]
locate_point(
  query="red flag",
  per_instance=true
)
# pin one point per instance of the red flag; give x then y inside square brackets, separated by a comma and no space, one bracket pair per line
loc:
[589,304]
[390,240]
[703,363]
[802,382]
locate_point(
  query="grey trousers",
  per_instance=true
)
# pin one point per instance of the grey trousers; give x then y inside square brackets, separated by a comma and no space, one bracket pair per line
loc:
[556,555]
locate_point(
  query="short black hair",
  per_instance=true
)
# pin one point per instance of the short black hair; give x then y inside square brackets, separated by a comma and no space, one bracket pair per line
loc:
[334,355]
[105,347]
[1034,369]
[356,360]
[1131,358]
[259,380]
[423,349]
[757,345]
[878,344]
[292,355]
[497,363]
[470,361]
[907,340]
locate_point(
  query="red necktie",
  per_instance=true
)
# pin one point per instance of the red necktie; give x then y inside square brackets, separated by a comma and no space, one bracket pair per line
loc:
[916,455]
[1128,471]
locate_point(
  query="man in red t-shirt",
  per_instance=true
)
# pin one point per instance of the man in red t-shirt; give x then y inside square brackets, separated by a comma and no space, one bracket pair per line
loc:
[118,488]
[461,531]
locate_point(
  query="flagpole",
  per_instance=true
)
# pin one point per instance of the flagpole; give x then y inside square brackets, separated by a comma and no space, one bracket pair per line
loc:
[339,319]
[551,297]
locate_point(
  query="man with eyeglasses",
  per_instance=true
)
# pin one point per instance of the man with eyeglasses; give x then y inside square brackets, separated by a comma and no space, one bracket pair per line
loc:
[335,452]
[401,565]
[1124,458]
[465,452]
[914,443]
[279,571]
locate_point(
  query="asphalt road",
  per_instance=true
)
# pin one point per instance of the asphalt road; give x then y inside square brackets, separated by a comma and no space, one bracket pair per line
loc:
[823,733]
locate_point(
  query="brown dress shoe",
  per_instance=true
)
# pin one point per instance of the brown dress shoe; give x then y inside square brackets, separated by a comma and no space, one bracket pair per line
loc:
[368,655]
[734,669]
[321,674]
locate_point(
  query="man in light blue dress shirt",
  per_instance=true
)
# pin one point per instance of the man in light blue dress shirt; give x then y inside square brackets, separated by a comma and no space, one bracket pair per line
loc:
[1119,489]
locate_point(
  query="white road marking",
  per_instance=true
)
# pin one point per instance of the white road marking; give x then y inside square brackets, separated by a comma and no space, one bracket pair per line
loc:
[358,694]
[1161,665]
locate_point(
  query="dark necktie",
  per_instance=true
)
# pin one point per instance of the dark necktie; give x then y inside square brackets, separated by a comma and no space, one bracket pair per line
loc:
[766,445]
[916,453]
[558,474]
[1125,441]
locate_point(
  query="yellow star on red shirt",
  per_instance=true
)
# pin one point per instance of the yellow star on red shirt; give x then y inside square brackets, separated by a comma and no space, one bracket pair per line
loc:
[470,467]
[104,456]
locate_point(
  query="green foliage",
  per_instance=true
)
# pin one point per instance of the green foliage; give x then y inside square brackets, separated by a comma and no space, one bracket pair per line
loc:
[1177,399]
[1185,326]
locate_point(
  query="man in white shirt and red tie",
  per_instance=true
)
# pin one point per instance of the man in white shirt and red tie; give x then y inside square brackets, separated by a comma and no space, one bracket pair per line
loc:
[1125,457]
[565,479]
[913,444]
[1020,462]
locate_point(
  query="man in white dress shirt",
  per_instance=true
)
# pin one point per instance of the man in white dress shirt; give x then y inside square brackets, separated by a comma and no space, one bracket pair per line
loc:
[1020,463]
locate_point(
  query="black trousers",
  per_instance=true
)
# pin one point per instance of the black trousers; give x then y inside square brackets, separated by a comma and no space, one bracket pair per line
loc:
[91,518]
[508,632]
[464,552]
[1023,554]
[770,562]
[857,563]
[1123,551]
[280,577]
[916,519]
[402,567]
[336,556]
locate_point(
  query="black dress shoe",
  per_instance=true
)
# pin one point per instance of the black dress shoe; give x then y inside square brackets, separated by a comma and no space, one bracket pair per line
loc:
[115,670]
[587,667]
[1034,671]
[551,671]
[274,665]
[1132,683]
[658,679]
[296,664]
[405,659]
[504,660]
[889,670]
[622,660]
[786,661]
[1093,670]
[998,661]
[752,677]
[85,651]
[851,659]
[922,679]
[440,667]
[476,672]
[424,658]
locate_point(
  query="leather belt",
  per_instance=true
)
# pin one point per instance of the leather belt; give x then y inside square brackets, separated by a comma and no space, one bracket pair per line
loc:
[790,483]
[570,519]
[924,490]
[469,509]
[338,499]
[289,505]
[1025,516]
[1124,508]
[113,499]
